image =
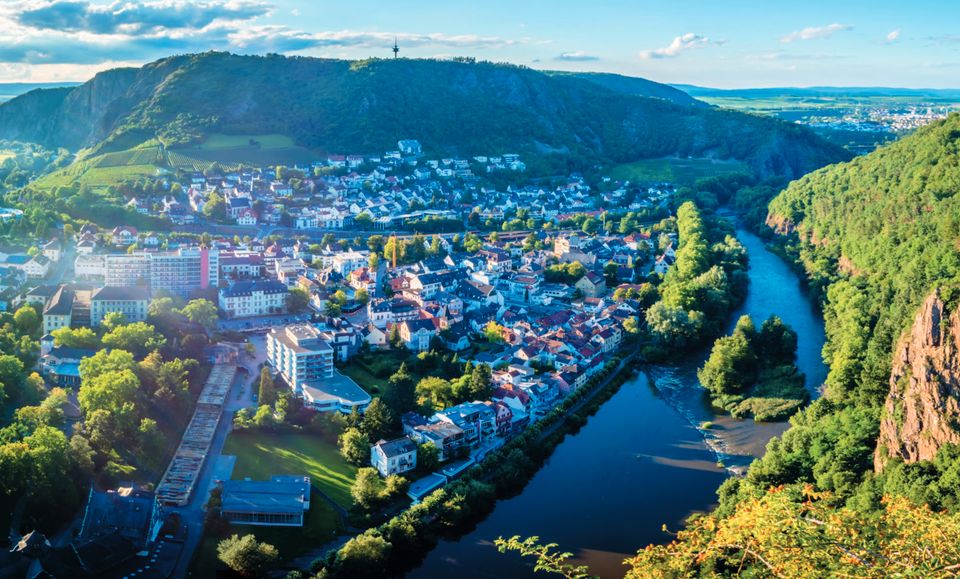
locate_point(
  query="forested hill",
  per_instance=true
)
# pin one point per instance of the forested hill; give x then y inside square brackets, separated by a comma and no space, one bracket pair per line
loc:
[634,85]
[452,107]
[890,222]
[878,454]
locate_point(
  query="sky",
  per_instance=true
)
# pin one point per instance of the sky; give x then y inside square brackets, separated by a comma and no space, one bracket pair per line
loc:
[718,43]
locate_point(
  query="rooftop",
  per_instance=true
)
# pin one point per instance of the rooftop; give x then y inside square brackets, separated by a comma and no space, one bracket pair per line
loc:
[339,388]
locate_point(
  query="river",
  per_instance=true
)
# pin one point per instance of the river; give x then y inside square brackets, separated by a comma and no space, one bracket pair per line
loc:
[643,459]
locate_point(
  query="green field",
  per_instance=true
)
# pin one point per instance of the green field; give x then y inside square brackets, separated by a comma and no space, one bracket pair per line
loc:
[675,170]
[261,455]
[232,150]
[83,173]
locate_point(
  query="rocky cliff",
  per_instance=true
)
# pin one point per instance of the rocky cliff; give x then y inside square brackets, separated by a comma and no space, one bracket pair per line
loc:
[922,411]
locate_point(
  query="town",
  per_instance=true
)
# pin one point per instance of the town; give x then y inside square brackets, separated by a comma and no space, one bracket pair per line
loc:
[421,353]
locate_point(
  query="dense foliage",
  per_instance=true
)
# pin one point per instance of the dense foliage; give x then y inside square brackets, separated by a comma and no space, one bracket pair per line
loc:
[752,373]
[698,292]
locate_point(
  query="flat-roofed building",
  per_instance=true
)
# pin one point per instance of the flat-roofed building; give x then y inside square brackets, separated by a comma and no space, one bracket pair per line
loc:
[336,393]
[299,353]
[281,501]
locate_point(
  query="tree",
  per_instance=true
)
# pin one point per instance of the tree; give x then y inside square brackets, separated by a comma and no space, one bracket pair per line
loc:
[332,309]
[247,556]
[202,312]
[355,446]
[11,374]
[297,300]
[494,332]
[27,320]
[161,308]
[362,296]
[264,417]
[111,391]
[732,365]
[481,384]
[435,392]
[81,338]
[366,488]
[428,457]
[377,420]
[267,393]
[364,556]
[215,208]
[400,396]
[113,319]
[138,337]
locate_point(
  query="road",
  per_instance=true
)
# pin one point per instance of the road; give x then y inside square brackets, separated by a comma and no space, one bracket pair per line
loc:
[67,257]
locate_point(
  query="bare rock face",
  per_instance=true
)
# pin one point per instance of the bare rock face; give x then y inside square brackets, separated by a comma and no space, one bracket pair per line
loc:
[922,411]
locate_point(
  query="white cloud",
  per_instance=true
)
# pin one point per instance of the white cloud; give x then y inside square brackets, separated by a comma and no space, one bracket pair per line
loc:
[893,36]
[678,45]
[576,56]
[815,32]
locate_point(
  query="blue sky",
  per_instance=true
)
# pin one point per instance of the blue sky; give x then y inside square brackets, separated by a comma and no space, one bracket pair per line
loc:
[734,43]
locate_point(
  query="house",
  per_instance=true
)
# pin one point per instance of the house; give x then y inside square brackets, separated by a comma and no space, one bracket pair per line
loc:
[247,216]
[52,250]
[416,334]
[38,267]
[88,266]
[123,235]
[394,456]
[446,436]
[592,284]
[253,298]
[59,310]
[409,147]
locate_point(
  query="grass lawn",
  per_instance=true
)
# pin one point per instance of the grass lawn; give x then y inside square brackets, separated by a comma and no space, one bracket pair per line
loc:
[261,455]
[365,379]
[266,142]
[675,170]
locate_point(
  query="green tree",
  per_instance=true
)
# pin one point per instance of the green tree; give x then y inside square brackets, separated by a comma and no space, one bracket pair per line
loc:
[355,446]
[267,393]
[377,420]
[366,488]
[297,300]
[202,312]
[246,556]
[83,338]
[113,319]
[27,320]
[428,457]
[138,337]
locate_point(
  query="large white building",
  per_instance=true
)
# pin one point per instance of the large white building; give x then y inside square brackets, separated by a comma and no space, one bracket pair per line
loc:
[179,272]
[299,353]
[246,299]
[132,302]
[303,357]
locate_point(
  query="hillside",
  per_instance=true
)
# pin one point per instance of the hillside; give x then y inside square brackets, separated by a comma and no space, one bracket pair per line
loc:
[878,238]
[366,106]
[633,85]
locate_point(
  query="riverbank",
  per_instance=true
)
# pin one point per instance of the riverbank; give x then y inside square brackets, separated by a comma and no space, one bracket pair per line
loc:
[461,504]
[648,457]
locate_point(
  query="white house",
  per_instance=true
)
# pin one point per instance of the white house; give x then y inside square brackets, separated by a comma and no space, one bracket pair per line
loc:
[253,298]
[394,456]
